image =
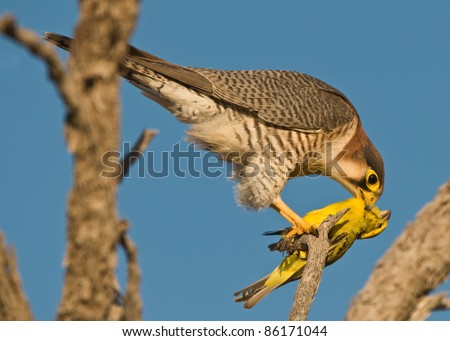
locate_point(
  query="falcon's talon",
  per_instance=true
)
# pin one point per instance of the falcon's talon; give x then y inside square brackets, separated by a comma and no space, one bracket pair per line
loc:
[298,230]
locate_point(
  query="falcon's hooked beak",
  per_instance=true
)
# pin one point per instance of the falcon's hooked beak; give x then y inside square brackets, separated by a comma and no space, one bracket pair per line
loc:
[368,189]
[370,198]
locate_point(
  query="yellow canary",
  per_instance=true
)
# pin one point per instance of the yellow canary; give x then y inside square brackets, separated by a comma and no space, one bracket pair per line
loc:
[359,222]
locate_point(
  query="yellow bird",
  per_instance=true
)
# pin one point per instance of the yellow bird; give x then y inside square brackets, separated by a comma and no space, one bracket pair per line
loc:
[359,222]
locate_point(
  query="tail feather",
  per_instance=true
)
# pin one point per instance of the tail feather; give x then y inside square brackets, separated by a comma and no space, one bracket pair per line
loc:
[253,293]
[281,232]
[65,42]
[137,58]
[250,290]
[250,303]
[58,40]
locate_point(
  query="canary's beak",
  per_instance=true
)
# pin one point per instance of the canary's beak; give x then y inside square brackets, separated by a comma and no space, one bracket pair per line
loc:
[385,214]
[382,223]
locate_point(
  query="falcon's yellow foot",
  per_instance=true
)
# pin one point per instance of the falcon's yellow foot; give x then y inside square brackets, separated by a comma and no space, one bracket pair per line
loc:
[298,230]
[299,225]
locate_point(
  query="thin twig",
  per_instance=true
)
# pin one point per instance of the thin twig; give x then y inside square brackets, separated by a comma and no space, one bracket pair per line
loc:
[136,152]
[13,303]
[132,299]
[427,304]
[312,275]
[40,48]
[444,305]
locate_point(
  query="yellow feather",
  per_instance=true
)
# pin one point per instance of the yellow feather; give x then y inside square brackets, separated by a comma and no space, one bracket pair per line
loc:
[358,223]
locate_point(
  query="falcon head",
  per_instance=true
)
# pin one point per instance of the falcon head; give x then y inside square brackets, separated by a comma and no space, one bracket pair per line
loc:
[362,170]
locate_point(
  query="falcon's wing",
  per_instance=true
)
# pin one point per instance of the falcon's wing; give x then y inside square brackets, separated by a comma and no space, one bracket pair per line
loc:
[287,99]
[284,98]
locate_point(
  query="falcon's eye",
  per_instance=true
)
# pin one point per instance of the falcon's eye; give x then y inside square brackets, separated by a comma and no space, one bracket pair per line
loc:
[372,180]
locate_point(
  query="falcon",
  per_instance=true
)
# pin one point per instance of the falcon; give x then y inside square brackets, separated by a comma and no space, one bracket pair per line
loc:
[272,125]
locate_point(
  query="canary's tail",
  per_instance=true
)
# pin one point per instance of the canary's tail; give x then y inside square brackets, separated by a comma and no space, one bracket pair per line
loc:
[290,269]
[254,293]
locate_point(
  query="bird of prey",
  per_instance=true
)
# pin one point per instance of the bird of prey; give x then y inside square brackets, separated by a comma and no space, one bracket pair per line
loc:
[272,125]
[359,222]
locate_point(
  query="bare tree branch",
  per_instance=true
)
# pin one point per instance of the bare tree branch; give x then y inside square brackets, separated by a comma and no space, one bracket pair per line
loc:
[132,299]
[136,152]
[13,303]
[427,304]
[312,275]
[444,304]
[39,48]
[417,263]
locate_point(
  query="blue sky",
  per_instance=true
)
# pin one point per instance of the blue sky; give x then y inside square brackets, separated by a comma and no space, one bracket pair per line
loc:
[196,247]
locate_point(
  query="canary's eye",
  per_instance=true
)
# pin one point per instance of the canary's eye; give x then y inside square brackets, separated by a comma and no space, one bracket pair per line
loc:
[372,180]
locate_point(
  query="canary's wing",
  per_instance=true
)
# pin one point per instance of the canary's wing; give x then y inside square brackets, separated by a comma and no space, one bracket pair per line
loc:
[355,214]
[290,269]
[342,235]
[339,245]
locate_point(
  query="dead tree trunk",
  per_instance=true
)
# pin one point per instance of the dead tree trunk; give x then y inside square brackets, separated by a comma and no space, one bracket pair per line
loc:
[92,129]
